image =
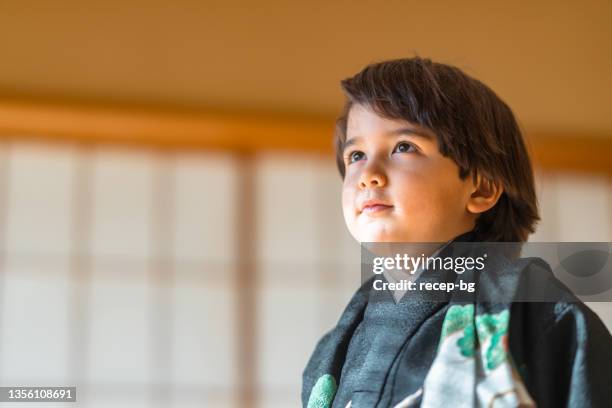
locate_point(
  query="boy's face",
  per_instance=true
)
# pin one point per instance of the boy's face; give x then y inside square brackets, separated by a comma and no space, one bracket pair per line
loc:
[399,165]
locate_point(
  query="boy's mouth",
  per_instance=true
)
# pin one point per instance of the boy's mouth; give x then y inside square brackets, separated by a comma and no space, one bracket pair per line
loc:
[374,207]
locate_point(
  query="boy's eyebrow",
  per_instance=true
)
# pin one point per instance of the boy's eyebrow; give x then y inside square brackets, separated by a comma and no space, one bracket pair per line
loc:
[405,131]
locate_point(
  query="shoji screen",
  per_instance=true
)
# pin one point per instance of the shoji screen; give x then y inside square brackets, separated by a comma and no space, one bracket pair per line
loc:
[117,268]
[120,269]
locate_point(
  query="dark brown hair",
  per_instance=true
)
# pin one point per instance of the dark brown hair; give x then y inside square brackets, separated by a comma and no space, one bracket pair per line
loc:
[474,127]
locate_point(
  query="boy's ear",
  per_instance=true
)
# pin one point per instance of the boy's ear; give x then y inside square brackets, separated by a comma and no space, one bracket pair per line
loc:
[485,193]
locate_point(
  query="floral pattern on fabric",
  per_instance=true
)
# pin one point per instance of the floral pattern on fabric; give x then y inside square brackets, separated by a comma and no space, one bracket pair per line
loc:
[495,328]
[473,365]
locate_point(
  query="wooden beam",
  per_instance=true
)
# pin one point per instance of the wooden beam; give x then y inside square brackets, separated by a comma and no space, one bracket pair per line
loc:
[163,129]
[572,153]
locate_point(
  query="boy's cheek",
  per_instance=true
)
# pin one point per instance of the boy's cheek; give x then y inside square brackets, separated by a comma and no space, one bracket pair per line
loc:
[352,226]
[348,200]
[347,210]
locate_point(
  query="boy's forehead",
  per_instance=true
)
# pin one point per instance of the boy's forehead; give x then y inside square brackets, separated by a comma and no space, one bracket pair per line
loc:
[364,122]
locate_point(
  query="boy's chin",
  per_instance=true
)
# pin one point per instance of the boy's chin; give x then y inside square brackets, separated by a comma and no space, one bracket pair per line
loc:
[387,237]
[375,232]
[380,238]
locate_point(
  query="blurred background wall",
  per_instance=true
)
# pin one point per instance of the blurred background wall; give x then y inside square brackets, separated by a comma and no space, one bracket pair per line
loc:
[170,222]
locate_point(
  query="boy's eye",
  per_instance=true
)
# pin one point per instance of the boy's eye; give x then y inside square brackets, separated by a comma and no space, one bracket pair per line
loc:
[354,156]
[401,147]
[404,147]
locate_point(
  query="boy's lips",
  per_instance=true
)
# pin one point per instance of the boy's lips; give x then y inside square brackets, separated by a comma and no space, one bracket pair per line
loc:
[373,206]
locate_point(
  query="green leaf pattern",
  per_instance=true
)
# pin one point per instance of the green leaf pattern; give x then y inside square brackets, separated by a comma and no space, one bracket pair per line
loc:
[323,392]
[496,327]
[478,329]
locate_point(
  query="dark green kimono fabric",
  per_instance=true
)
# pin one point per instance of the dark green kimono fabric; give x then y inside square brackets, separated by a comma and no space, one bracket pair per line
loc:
[381,352]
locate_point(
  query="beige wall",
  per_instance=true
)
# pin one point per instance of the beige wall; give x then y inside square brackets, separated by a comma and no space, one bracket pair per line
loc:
[551,60]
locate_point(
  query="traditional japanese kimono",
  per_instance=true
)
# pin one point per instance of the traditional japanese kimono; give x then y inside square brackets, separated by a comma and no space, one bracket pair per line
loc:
[458,353]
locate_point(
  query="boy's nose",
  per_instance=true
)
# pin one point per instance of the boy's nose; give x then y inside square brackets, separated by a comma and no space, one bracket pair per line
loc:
[371,179]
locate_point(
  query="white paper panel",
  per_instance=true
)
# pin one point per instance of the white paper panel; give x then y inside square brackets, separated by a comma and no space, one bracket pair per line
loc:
[40,199]
[272,399]
[205,207]
[108,399]
[208,401]
[122,201]
[585,205]
[287,332]
[35,323]
[120,325]
[287,222]
[204,336]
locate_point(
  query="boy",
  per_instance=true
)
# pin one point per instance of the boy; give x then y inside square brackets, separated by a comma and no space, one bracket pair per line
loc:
[429,154]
